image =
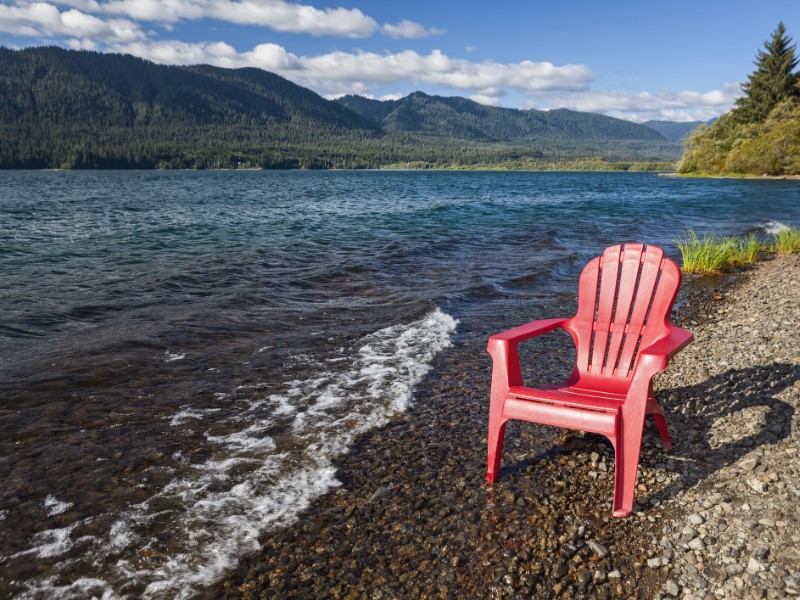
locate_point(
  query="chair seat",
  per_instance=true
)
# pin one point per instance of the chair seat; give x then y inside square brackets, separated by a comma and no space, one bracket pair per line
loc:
[571,407]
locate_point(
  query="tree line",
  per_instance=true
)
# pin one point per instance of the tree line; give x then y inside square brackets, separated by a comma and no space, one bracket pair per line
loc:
[761,134]
[66,109]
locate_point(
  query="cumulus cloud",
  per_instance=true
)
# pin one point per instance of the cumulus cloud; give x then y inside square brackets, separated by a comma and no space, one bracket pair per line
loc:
[276,14]
[39,19]
[406,29]
[354,72]
[643,106]
[484,99]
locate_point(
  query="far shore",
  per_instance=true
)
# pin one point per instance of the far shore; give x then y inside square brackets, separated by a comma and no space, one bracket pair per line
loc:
[731,176]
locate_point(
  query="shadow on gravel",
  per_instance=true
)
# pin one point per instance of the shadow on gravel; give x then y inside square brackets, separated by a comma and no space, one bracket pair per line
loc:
[715,423]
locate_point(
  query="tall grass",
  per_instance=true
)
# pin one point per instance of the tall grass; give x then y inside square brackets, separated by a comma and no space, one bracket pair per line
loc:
[787,241]
[705,257]
[714,255]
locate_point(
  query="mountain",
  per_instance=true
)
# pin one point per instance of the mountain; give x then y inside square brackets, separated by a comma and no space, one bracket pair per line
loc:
[77,109]
[675,131]
[461,118]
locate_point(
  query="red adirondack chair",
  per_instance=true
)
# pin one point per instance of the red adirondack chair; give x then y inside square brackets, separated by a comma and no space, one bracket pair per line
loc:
[623,337]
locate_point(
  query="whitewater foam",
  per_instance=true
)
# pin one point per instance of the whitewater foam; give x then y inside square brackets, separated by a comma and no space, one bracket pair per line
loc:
[774,227]
[249,483]
[54,506]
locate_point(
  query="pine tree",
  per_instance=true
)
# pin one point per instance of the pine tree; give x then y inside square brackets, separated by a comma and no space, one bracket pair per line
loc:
[773,80]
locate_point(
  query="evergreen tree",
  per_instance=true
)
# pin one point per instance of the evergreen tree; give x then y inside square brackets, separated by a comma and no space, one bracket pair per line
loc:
[773,80]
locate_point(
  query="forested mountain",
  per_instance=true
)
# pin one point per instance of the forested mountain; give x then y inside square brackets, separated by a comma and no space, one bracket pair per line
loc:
[77,109]
[456,117]
[675,131]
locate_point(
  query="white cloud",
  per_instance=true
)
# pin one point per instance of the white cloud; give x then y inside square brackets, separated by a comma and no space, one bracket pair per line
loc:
[39,19]
[276,14]
[487,100]
[644,106]
[406,29]
[356,72]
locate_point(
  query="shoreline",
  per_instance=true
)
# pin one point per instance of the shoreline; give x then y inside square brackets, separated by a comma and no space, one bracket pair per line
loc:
[414,516]
[731,176]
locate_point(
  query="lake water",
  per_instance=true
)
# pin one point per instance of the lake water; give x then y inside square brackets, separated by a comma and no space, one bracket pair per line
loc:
[184,354]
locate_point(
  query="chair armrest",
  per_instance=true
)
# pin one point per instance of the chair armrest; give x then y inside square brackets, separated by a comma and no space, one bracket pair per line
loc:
[527,331]
[503,348]
[657,355]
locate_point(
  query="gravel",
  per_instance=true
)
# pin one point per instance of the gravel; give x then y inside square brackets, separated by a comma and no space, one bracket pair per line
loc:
[716,518]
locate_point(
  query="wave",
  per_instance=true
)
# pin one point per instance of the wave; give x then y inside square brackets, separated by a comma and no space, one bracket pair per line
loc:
[774,227]
[270,458]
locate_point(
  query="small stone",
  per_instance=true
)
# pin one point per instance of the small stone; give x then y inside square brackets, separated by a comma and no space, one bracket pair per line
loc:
[599,576]
[654,563]
[560,570]
[757,485]
[599,549]
[697,544]
[615,576]
[734,569]
[583,577]
[672,588]
[761,552]
[696,519]
[756,566]
[748,464]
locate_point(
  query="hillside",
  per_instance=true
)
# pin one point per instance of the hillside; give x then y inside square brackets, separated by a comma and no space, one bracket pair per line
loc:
[77,109]
[83,109]
[456,117]
[761,134]
[728,147]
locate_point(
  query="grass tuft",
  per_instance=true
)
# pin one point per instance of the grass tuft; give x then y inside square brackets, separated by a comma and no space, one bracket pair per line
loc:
[708,256]
[787,241]
[714,255]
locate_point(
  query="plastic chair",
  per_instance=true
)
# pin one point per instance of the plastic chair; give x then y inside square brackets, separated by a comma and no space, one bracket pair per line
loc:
[622,337]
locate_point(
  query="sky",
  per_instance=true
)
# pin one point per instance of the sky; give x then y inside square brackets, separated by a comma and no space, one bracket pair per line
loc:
[639,60]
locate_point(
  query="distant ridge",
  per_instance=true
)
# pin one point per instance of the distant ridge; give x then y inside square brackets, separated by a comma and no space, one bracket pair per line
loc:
[675,131]
[462,118]
[78,109]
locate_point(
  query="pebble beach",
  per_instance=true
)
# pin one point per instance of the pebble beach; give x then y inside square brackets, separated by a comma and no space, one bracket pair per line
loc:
[715,518]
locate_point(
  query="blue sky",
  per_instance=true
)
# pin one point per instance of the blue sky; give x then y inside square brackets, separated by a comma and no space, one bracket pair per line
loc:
[642,60]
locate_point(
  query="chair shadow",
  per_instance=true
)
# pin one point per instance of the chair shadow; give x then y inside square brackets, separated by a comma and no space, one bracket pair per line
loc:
[705,435]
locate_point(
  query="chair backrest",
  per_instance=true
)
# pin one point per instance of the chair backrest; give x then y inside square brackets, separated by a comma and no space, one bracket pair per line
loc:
[625,298]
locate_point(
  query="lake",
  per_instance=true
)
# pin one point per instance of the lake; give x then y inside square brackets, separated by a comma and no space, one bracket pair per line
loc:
[183,355]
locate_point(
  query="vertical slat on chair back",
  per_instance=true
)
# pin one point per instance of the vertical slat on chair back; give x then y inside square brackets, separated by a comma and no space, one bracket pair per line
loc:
[624,301]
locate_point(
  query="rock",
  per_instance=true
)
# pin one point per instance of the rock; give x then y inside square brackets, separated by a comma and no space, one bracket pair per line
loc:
[756,566]
[599,550]
[696,519]
[583,578]
[748,464]
[757,485]
[672,588]
[697,544]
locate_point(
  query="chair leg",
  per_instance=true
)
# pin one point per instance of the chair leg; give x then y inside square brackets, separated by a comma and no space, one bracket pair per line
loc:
[626,459]
[663,431]
[654,409]
[497,430]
